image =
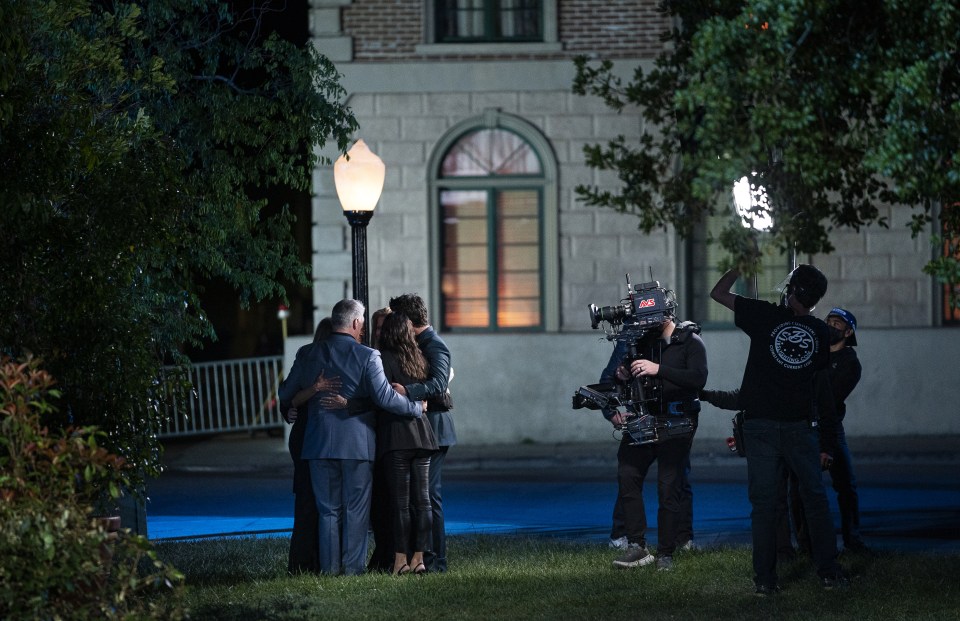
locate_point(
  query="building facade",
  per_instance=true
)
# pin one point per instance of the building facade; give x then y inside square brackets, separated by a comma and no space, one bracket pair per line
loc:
[469,104]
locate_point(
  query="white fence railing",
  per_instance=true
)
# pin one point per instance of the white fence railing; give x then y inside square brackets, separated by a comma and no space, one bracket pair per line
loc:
[230,395]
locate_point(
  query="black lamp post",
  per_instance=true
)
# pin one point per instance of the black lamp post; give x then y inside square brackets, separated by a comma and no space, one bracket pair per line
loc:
[359,176]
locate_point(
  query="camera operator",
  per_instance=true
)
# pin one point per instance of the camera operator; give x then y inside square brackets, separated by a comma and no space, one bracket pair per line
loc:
[788,348]
[618,533]
[671,360]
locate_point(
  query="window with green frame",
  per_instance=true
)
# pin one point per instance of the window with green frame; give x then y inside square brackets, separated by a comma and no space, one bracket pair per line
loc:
[706,254]
[490,198]
[488,21]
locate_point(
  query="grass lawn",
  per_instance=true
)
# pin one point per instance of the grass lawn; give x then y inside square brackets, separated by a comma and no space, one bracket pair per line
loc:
[508,577]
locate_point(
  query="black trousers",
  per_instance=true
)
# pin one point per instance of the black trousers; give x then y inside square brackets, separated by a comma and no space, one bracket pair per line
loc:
[304,540]
[633,464]
[408,477]
[685,529]
[436,557]
[381,519]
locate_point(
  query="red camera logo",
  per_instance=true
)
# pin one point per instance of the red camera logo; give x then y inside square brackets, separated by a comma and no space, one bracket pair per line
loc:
[647,303]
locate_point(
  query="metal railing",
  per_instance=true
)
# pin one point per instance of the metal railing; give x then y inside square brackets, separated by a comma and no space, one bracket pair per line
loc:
[226,396]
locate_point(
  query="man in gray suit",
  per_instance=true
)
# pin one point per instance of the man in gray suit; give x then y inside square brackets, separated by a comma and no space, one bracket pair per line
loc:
[341,445]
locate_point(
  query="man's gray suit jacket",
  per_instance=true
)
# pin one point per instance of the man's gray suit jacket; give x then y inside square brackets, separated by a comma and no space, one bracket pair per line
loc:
[338,434]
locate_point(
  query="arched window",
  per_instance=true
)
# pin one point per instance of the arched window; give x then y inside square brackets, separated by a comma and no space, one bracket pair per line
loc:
[494,227]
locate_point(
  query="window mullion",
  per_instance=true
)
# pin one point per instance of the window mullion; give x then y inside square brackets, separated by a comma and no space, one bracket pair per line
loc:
[493,260]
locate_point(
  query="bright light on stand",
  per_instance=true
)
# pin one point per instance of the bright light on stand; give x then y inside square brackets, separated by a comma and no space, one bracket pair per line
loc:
[752,205]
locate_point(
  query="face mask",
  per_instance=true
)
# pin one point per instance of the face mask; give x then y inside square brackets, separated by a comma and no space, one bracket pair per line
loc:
[836,335]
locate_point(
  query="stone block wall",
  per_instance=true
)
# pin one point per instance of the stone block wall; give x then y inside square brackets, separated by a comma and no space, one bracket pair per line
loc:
[877,273]
[597,247]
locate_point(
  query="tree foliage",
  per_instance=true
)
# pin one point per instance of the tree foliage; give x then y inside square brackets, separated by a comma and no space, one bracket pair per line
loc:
[58,561]
[133,137]
[837,107]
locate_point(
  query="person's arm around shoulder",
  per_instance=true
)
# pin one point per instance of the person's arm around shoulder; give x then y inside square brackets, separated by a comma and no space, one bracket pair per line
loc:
[383,394]
[292,384]
[438,358]
[722,293]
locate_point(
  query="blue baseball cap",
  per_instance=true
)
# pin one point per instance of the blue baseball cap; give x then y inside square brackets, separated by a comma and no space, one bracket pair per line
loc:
[848,317]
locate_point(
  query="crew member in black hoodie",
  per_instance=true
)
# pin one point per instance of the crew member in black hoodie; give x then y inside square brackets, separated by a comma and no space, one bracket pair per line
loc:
[674,361]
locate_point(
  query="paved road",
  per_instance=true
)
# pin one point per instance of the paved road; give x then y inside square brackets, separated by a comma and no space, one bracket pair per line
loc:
[242,486]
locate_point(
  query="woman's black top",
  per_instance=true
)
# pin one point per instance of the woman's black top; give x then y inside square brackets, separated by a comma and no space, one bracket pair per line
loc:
[401,432]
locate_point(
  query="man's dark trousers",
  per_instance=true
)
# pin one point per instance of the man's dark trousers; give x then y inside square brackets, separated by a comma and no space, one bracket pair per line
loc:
[436,559]
[773,447]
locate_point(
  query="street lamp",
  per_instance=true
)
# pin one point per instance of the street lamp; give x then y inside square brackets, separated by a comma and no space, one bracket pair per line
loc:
[358,176]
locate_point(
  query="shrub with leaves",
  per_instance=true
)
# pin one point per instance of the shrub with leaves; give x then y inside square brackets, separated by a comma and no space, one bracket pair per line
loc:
[57,558]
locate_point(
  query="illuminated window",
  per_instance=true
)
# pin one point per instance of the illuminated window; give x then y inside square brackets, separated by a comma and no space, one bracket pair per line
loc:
[495,227]
[464,21]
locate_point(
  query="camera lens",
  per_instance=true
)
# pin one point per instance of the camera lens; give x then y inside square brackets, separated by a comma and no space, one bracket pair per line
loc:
[612,314]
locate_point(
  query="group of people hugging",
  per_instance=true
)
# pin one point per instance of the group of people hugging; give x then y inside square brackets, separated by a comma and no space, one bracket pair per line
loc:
[371,429]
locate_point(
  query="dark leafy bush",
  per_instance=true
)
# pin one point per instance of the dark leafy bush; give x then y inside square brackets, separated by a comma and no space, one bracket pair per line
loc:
[59,559]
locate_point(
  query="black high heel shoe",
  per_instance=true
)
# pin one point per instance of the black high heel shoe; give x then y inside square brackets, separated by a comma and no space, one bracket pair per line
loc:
[404,569]
[420,569]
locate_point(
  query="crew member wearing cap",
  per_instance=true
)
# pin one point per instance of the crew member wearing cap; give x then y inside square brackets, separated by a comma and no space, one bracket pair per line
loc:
[844,372]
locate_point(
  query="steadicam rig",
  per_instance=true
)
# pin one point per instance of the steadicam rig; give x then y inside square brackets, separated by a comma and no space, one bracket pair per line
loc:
[645,309]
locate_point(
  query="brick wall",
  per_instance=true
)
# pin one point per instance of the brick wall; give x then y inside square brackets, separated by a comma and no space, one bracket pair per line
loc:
[611,28]
[385,31]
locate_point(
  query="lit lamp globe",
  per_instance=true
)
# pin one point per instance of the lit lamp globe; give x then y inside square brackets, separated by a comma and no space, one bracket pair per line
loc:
[359,176]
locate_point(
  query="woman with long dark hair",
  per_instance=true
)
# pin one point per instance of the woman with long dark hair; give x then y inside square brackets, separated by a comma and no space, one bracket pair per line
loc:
[405,445]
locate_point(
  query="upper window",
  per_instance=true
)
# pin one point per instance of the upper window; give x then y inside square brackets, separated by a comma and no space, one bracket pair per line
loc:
[488,21]
[494,228]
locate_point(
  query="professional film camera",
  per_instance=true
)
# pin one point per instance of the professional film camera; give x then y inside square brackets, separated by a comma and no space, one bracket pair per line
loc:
[645,309]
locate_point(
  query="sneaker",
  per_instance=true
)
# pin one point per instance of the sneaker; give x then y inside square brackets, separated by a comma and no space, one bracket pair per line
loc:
[689,546]
[664,563]
[635,555]
[766,590]
[620,543]
[838,580]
